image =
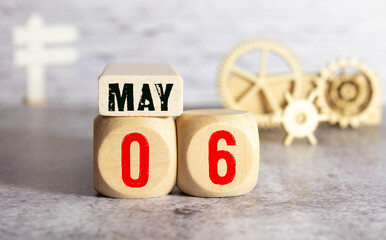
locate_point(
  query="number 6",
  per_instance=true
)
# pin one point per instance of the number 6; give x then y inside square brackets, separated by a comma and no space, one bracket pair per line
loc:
[215,155]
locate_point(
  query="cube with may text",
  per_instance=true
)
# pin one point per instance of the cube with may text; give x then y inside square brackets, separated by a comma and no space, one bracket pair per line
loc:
[140,89]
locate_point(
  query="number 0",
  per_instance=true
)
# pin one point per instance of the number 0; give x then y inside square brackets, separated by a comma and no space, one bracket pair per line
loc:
[143,160]
[215,155]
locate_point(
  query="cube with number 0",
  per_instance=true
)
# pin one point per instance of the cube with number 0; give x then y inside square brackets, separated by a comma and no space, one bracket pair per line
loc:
[218,152]
[134,157]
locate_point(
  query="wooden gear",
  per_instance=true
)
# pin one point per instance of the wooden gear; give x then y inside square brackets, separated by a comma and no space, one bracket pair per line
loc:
[346,98]
[300,119]
[261,94]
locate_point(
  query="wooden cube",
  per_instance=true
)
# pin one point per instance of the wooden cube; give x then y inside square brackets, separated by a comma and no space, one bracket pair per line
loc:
[140,90]
[218,152]
[134,157]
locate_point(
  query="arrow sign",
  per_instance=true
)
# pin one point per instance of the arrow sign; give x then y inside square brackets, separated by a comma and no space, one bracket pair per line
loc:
[57,56]
[37,32]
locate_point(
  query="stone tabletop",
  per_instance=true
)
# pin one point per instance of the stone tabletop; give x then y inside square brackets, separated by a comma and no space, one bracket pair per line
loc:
[335,190]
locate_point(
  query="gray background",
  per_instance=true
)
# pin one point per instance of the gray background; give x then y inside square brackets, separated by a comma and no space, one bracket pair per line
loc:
[191,35]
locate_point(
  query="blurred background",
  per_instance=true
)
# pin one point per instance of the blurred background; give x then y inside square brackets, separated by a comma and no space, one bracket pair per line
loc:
[76,39]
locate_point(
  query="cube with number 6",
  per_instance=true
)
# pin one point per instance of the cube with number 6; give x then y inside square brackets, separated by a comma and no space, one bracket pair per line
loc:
[218,152]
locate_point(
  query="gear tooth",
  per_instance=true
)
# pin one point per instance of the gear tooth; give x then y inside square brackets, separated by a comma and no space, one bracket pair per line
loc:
[363,67]
[352,61]
[331,63]
[341,62]
[335,118]
[343,123]
[332,119]
[324,72]
[354,123]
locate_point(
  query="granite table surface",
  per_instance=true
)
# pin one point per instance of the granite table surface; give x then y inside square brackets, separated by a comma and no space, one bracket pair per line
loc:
[335,190]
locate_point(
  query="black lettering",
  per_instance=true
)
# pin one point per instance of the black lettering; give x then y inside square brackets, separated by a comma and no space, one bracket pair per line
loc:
[146,95]
[127,95]
[164,96]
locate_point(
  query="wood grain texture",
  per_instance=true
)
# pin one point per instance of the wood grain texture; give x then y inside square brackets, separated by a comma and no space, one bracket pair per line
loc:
[144,89]
[109,133]
[195,129]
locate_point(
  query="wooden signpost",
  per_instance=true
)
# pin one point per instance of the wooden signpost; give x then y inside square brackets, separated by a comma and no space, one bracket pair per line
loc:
[35,56]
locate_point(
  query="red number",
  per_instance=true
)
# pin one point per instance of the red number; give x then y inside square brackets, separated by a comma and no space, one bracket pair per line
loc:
[143,160]
[215,155]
